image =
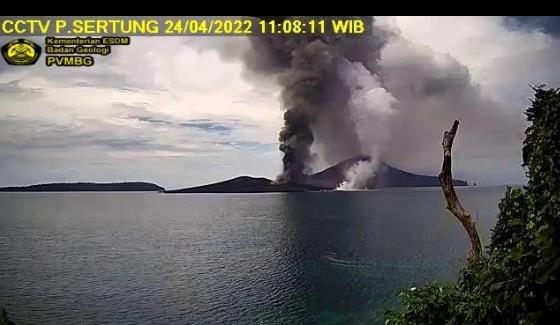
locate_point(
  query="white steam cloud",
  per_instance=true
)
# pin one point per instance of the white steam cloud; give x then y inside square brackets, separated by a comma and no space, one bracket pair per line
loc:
[371,110]
[391,95]
[358,175]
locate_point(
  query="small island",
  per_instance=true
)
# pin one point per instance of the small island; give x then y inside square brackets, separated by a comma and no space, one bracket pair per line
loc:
[326,180]
[87,187]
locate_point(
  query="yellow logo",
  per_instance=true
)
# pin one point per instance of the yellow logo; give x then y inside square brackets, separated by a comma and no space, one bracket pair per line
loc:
[21,52]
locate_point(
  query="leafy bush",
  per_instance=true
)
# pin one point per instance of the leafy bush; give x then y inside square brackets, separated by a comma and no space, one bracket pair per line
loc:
[517,281]
[4,319]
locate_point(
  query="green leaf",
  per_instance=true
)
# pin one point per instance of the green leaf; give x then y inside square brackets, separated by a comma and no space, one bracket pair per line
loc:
[496,286]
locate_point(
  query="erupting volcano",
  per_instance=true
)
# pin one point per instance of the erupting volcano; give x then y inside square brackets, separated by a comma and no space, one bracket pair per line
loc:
[328,85]
[327,180]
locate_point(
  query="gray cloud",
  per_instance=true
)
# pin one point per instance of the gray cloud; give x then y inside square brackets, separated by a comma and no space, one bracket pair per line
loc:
[548,24]
[250,145]
[107,72]
[103,79]
[52,138]
[144,113]
[22,134]
[149,119]
[33,151]
[315,93]
[14,89]
[228,48]
[17,133]
[224,127]
[205,125]
[208,127]
[432,90]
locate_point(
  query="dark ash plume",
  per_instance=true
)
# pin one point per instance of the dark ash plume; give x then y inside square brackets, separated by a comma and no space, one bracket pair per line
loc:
[380,95]
[315,94]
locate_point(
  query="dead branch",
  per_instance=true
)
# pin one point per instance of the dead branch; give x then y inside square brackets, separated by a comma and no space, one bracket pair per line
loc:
[453,203]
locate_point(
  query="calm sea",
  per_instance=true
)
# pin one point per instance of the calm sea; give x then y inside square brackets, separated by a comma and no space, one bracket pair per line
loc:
[281,258]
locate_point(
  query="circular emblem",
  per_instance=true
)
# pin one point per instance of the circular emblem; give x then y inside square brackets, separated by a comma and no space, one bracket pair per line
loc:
[21,52]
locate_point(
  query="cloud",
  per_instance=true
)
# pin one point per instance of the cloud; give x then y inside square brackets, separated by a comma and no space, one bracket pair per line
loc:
[121,118]
[503,60]
[47,138]
[545,24]
[432,90]
[24,134]
[14,89]
[182,111]
[208,127]
[149,119]
[248,145]
[445,68]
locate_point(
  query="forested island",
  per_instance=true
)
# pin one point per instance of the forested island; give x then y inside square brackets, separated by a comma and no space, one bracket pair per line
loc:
[86,187]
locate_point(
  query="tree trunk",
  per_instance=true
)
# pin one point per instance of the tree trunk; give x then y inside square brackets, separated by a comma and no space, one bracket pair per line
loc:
[453,203]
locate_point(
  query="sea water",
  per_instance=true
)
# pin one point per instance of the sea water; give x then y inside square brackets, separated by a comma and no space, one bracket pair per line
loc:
[277,258]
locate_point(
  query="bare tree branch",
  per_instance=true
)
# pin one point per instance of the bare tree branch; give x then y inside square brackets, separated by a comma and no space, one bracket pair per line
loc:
[453,203]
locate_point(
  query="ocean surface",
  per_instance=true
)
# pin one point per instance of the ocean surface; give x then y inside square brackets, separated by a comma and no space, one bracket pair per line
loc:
[278,258]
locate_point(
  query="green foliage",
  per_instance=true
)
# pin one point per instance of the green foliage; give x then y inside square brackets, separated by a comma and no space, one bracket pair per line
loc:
[434,304]
[4,319]
[517,281]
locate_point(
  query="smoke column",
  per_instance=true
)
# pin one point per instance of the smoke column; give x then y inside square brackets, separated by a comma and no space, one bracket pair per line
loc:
[378,95]
[316,95]
[370,108]
[358,175]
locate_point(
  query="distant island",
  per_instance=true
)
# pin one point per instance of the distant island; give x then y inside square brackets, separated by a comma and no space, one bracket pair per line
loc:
[86,187]
[247,184]
[326,180]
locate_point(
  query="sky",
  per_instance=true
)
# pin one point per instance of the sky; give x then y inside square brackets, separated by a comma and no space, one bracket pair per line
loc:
[181,111]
